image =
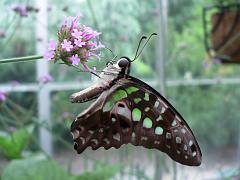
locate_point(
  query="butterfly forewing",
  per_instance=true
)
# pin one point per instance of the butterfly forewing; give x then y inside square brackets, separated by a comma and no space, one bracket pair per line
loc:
[133,112]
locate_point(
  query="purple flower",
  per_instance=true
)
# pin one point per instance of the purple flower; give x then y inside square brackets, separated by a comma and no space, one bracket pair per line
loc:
[89,30]
[75,22]
[91,44]
[98,46]
[79,42]
[95,33]
[52,45]
[206,65]
[71,22]
[87,37]
[74,59]
[67,45]
[45,79]
[87,33]
[90,54]
[3,96]
[49,55]
[68,21]
[77,34]
[216,60]
[21,10]
[86,67]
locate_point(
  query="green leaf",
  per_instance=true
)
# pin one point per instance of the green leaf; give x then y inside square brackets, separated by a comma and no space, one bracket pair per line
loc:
[40,168]
[101,173]
[34,168]
[13,144]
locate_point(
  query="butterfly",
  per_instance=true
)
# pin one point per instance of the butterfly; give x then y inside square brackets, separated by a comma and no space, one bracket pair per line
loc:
[127,110]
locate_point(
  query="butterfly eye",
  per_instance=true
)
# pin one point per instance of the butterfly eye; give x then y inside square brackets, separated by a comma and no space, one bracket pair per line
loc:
[122,63]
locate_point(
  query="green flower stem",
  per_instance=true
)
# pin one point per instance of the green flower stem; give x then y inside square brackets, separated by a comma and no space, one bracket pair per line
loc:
[20,59]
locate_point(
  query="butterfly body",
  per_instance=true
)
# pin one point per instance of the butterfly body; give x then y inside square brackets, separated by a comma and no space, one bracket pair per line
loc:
[127,110]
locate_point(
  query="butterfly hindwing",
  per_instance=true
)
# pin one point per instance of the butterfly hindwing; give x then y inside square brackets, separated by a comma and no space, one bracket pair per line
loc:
[98,127]
[133,112]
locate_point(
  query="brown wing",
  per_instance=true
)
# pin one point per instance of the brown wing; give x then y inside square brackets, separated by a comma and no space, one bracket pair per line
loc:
[133,112]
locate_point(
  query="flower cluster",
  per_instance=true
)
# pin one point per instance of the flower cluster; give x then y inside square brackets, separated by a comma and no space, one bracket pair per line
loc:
[76,44]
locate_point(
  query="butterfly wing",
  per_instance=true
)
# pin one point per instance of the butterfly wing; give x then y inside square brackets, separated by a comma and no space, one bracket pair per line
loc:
[133,112]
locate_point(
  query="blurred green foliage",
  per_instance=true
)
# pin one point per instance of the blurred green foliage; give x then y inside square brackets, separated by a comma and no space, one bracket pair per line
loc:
[37,168]
[40,168]
[99,173]
[26,160]
[13,144]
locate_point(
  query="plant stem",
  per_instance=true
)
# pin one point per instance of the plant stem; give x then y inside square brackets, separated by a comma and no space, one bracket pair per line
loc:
[20,59]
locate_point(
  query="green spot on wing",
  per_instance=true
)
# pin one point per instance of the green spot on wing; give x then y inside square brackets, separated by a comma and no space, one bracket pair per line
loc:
[118,95]
[108,106]
[131,89]
[137,100]
[146,97]
[146,109]
[147,123]
[136,114]
[158,130]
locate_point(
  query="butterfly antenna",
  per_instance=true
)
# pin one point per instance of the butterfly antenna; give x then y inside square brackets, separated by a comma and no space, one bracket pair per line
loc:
[110,51]
[139,44]
[138,54]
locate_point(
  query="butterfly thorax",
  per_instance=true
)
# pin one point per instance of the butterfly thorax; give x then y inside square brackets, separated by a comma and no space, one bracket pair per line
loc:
[107,78]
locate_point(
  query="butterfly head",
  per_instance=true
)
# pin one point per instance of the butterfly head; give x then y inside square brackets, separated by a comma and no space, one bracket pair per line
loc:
[121,66]
[124,64]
